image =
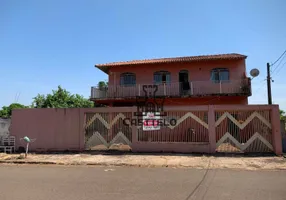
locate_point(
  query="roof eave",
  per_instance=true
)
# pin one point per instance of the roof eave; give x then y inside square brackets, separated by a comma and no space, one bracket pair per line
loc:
[132,64]
[104,69]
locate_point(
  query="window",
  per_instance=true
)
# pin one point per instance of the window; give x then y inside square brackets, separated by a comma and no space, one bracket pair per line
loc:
[219,74]
[128,79]
[162,77]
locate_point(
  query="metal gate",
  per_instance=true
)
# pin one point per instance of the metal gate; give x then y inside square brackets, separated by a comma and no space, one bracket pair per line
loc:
[106,131]
[243,131]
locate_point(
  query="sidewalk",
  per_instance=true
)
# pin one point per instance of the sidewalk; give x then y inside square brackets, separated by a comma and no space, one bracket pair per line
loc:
[157,160]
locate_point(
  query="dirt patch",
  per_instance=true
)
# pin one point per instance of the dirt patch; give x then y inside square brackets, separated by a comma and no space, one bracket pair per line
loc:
[172,160]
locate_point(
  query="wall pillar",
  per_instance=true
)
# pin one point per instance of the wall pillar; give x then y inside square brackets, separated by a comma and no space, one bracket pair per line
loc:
[212,134]
[134,142]
[82,121]
[276,131]
[134,127]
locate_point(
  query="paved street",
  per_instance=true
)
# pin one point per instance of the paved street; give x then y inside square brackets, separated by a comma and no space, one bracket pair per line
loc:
[35,182]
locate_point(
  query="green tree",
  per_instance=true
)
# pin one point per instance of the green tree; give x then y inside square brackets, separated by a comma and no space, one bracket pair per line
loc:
[102,84]
[61,98]
[282,115]
[6,111]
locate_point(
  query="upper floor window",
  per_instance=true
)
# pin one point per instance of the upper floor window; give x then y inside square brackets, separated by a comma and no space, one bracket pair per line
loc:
[162,77]
[128,79]
[219,74]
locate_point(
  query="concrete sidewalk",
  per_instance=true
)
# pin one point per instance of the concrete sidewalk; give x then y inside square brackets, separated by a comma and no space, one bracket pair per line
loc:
[159,160]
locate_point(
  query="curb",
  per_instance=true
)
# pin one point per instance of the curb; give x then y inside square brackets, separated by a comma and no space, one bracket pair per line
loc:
[121,165]
[78,164]
[27,162]
[96,164]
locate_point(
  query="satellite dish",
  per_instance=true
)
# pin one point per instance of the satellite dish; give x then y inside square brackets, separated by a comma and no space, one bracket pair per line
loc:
[254,72]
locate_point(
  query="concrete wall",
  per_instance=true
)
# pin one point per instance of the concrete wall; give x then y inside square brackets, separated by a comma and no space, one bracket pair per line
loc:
[63,129]
[53,129]
[237,100]
[283,133]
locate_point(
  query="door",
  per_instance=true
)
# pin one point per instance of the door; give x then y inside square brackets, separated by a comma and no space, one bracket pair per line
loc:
[184,82]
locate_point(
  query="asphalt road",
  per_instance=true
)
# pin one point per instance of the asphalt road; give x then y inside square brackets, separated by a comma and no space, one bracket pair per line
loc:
[35,182]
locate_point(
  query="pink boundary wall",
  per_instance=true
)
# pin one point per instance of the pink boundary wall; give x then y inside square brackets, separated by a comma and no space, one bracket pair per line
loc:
[63,129]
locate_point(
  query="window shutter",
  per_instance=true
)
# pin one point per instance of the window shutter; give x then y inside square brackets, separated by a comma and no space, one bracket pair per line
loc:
[157,78]
[168,78]
[224,75]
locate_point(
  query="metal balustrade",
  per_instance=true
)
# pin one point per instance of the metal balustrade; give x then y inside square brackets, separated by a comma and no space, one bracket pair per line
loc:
[174,89]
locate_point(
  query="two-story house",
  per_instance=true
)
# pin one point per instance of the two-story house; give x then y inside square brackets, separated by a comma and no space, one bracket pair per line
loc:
[193,80]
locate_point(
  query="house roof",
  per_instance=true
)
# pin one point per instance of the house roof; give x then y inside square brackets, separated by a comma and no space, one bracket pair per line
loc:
[232,56]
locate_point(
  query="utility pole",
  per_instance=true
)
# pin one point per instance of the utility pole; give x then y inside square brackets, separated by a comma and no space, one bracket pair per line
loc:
[269,85]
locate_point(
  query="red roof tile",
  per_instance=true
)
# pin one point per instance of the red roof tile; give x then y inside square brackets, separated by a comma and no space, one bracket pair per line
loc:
[232,56]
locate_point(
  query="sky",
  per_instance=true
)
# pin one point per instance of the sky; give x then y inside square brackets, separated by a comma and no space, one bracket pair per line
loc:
[44,44]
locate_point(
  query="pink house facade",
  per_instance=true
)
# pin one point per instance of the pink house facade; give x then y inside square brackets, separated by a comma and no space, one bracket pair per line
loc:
[194,80]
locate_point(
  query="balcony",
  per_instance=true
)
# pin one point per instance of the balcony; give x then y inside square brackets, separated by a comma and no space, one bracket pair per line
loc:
[175,89]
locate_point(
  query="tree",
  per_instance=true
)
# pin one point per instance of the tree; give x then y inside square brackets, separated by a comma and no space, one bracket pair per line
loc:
[102,85]
[282,115]
[61,98]
[6,111]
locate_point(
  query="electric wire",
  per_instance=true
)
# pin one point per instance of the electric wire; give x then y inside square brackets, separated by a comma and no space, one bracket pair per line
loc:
[278,58]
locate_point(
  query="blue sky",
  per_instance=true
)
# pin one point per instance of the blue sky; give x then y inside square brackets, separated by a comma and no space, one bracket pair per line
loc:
[44,44]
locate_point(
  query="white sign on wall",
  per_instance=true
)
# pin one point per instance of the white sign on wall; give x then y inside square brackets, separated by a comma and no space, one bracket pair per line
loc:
[151,121]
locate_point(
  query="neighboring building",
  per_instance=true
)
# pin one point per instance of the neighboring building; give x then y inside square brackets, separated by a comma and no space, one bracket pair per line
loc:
[4,127]
[194,80]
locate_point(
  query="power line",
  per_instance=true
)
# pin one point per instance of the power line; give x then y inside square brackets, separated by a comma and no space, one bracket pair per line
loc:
[269,79]
[262,85]
[279,69]
[277,66]
[278,58]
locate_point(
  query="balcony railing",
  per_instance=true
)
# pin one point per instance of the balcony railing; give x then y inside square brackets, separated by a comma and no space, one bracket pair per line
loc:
[175,89]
